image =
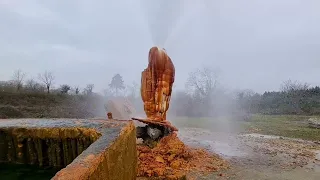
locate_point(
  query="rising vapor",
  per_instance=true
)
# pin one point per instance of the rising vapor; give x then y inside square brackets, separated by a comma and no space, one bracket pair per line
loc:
[162,17]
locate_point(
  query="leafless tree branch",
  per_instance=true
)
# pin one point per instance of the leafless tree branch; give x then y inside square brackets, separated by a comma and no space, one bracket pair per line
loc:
[18,78]
[203,81]
[289,85]
[47,78]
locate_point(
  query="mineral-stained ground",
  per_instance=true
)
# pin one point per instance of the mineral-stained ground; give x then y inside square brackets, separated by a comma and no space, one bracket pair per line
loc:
[172,159]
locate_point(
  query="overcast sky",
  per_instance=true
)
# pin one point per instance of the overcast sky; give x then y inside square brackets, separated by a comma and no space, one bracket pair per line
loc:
[255,44]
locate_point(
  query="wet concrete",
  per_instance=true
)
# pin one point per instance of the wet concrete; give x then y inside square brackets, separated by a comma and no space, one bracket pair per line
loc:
[112,154]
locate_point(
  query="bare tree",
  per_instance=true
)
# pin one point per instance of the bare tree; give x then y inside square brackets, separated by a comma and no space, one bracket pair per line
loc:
[18,77]
[77,89]
[88,89]
[201,86]
[289,86]
[295,92]
[32,85]
[203,81]
[7,86]
[47,78]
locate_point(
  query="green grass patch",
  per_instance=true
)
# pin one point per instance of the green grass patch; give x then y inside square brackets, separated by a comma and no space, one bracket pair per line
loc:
[292,126]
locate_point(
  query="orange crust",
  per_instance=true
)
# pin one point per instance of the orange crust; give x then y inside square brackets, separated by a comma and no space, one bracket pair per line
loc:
[156,84]
[162,123]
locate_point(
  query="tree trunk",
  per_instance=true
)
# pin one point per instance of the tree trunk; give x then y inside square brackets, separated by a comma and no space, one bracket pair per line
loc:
[18,87]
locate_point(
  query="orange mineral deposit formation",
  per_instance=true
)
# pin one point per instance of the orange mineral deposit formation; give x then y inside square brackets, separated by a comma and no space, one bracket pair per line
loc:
[156,86]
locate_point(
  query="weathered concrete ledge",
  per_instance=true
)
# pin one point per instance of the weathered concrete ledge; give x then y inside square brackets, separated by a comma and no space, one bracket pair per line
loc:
[87,149]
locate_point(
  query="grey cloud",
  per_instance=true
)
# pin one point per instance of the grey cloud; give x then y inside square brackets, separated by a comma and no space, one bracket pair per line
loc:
[255,44]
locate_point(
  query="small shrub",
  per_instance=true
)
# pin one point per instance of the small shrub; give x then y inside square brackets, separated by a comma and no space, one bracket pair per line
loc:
[9,112]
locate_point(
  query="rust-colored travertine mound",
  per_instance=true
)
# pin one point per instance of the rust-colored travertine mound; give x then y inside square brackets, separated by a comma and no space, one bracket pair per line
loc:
[172,159]
[156,84]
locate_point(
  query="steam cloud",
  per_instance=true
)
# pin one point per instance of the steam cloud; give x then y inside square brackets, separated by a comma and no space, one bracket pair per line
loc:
[162,17]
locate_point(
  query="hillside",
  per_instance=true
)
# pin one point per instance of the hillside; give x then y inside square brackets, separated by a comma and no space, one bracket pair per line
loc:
[41,105]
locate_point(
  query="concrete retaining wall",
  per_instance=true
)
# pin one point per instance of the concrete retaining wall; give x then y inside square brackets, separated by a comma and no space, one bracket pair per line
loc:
[57,142]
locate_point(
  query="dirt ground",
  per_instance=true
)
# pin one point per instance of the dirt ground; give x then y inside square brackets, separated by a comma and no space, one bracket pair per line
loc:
[256,156]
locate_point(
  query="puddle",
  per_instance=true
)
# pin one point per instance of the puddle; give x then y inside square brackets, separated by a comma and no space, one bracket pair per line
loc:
[225,145]
[224,149]
[25,172]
